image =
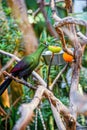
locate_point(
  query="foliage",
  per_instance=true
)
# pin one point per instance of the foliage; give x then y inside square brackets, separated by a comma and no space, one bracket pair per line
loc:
[10,35]
[81,16]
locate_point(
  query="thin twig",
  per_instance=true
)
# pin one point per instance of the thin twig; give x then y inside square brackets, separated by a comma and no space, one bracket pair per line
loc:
[36,12]
[6,123]
[49,26]
[2,111]
[16,101]
[51,59]
[10,55]
[57,77]
[47,3]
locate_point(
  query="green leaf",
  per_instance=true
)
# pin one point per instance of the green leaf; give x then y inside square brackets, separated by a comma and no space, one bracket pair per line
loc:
[62,12]
[31,5]
[80,16]
[43,36]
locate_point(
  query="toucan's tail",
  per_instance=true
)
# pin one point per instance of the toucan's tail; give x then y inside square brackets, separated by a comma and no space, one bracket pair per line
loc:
[4,85]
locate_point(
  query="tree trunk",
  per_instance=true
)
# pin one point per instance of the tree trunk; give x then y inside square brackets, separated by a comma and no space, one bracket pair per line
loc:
[20,13]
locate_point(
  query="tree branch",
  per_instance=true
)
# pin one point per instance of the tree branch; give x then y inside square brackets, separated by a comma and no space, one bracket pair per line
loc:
[42,82]
[57,118]
[49,26]
[82,37]
[65,21]
[10,55]
[19,81]
[69,20]
[27,109]
[61,34]
[10,62]
[77,54]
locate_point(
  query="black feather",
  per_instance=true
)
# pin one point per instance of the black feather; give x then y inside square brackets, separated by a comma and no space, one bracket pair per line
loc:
[4,85]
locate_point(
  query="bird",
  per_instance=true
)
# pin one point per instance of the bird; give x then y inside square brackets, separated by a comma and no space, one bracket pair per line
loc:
[24,67]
